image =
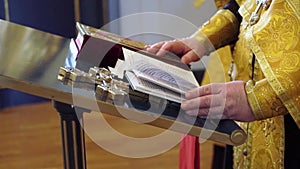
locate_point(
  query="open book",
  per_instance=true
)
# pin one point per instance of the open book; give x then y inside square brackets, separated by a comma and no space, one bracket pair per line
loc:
[164,77]
[154,76]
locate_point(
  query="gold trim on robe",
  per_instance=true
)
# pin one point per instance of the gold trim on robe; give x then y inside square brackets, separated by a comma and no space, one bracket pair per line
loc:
[276,45]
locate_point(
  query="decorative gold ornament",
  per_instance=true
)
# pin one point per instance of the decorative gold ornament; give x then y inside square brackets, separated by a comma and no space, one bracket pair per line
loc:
[261,4]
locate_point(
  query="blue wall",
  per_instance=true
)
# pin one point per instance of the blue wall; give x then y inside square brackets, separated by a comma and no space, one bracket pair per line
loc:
[54,16]
[2,11]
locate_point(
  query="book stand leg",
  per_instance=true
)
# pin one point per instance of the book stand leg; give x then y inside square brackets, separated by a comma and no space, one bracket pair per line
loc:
[73,143]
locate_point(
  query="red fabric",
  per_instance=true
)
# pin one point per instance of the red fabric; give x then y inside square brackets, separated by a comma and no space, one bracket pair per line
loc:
[189,155]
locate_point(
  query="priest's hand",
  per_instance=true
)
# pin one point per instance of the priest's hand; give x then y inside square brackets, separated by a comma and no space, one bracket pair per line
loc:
[189,49]
[219,100]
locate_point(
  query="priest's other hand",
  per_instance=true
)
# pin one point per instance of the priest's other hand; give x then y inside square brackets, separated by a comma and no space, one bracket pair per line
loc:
[189,49]
[219,100]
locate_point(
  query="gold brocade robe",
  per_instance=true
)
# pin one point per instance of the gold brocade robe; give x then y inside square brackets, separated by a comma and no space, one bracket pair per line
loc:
[267,57]
[275,89]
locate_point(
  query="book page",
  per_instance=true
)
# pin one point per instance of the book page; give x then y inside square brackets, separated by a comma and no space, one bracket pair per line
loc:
[119,68]
[154,77]
[152,89]
[158,76]
[132,57]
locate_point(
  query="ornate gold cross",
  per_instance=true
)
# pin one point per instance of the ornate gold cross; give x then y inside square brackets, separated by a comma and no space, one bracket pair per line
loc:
[261,4]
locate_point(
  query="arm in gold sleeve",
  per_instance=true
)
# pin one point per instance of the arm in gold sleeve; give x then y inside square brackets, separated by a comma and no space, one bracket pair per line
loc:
[220,30]
[263,100]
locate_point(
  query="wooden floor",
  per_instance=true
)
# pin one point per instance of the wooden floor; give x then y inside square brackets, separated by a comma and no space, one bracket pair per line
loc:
[31,139]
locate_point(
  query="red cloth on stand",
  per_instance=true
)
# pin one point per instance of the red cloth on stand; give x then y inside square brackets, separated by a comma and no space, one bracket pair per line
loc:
[189,155]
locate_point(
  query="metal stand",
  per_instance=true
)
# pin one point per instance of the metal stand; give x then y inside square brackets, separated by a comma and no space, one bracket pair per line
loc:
[73,142]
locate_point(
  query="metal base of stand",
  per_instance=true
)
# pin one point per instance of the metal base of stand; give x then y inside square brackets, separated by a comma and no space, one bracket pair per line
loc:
[73,142]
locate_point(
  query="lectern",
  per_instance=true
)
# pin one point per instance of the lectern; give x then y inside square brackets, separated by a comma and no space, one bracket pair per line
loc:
[30,61]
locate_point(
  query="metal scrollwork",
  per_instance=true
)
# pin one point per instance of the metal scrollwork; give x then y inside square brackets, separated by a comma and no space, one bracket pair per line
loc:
[106,87]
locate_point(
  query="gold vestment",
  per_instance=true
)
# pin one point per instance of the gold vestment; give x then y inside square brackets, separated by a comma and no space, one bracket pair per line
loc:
[267,57]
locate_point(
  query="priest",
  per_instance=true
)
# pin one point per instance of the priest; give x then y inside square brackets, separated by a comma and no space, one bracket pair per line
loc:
[264,91]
